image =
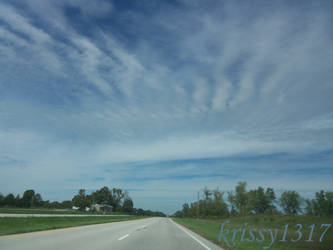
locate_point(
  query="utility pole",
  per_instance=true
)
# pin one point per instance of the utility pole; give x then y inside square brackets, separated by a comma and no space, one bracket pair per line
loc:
[198,209]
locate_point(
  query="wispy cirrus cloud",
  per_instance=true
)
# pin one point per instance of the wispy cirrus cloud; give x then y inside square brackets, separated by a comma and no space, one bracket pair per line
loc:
[112,84]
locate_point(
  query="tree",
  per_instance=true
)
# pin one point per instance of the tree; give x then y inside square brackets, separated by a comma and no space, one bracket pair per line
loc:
[193,209]
[117,195]
[80,200]
[232,201]
[241,198]
[207,193]
[321,205]
[212,205]
[28,198]
[219,207]
[329,198]
[186,210]
[140,211]
[54,205]
[9,200]
[18,201]
[290,202]
[128,205]
[102,196]
[206,205]
[2,198]
[261,202]
[66,204]
[270,196]
[37,200]
[179,214]
[309,207]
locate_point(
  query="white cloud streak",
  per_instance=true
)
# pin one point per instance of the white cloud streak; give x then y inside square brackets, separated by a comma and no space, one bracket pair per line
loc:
[217,82]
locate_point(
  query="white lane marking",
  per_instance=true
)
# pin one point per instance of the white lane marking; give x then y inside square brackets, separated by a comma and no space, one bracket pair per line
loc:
[123,237]
[202,244]
[145,226]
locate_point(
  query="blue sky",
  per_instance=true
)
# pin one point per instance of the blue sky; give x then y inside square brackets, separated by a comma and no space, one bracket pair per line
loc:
[165,98]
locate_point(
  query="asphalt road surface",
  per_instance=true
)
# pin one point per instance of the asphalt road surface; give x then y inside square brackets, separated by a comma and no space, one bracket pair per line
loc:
[144,234]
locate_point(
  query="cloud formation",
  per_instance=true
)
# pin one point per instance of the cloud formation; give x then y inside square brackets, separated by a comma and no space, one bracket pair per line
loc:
[95,91]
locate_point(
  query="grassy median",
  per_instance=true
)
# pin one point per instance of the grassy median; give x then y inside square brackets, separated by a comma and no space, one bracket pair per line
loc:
[50,211]
[210,229]
[11,225]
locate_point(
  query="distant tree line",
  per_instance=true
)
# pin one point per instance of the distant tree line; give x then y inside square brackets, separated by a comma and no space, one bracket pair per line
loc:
[119,200]
[115,197]
[29,199]
[241,202]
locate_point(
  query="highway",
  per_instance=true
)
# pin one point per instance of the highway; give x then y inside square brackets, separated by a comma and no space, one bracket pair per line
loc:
[144,234]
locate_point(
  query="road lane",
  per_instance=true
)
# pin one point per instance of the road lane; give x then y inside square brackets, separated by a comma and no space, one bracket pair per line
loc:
[145,234]
[164,234]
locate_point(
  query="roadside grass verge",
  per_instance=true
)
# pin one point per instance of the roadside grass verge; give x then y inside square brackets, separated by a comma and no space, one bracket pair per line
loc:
[11,225]
[210,229]
[6,210]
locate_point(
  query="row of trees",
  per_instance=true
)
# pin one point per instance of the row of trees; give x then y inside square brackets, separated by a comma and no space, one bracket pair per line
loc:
[321,205]
[257,201]
[29,199]
[115,197]
[119,200]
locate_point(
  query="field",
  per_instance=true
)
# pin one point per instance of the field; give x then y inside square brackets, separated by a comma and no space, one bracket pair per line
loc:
[210,229]
[10,225]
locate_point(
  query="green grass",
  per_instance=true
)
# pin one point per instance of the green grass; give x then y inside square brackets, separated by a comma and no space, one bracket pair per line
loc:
[11,225]
[49,211]
[210,229]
